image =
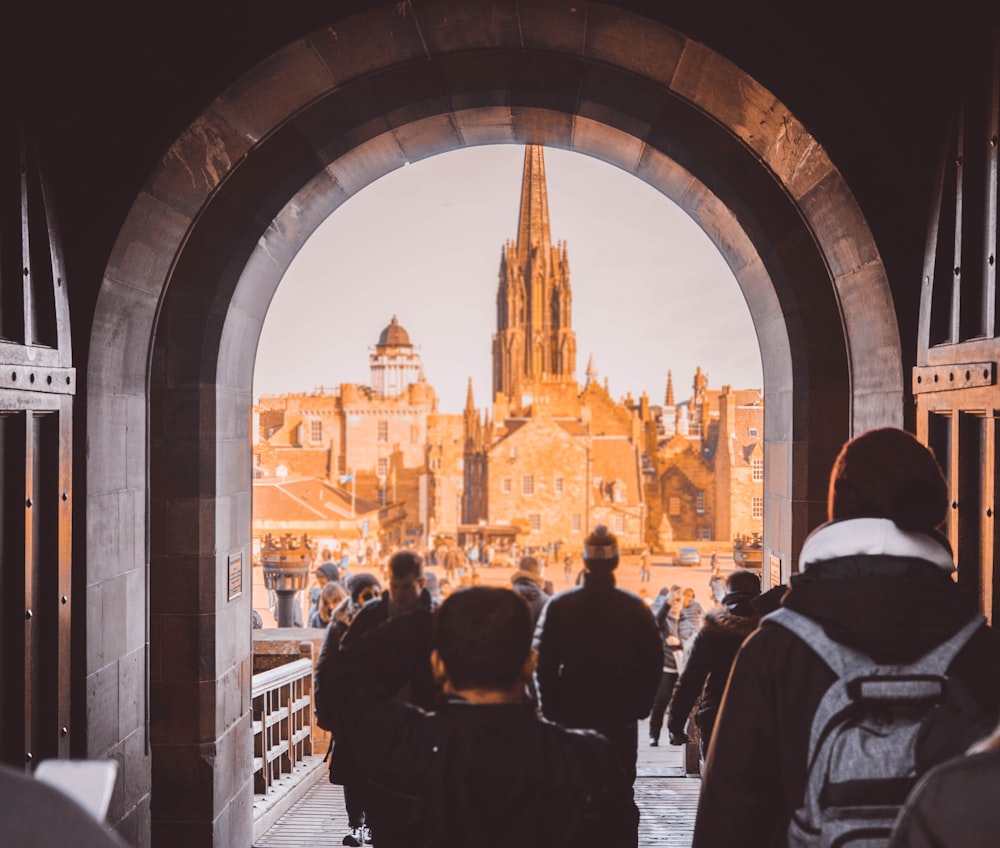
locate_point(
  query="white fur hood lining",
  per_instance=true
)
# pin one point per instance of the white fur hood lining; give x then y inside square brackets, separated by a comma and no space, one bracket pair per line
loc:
[871,537]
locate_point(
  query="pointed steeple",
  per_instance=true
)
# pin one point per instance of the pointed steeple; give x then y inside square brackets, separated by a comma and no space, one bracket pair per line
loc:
[470,404]
[534,342]
[591,371]
[533,219]
[669,400]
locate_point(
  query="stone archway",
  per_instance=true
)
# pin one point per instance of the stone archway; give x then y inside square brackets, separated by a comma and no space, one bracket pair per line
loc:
[210,235]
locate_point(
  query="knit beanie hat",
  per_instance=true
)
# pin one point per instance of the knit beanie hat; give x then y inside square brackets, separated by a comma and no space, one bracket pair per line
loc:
[887,473]
[357,583]
[600,549]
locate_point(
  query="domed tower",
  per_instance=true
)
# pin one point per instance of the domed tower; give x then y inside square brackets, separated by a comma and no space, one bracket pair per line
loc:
[534,340]
[394,362]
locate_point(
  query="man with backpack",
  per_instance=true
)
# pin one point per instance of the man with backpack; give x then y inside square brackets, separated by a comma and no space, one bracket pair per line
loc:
[876,666]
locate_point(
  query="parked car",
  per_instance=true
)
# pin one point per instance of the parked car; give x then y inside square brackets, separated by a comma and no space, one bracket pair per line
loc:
[687,556]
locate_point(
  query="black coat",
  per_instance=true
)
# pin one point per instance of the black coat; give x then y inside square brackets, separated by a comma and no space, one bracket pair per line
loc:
[419,689]
[894,608]
[954,806]
[488,776]
[709,661]
[600,656]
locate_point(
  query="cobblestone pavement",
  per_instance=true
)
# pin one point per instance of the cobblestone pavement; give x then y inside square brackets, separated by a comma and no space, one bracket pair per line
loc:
[667,802]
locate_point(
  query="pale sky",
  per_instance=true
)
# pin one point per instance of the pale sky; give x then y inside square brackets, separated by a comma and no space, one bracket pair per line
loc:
[650,291]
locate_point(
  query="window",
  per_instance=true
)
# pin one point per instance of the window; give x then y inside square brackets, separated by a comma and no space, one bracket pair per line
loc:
[528,484]
[383,431]
[699,500]
[505,485]
[575,522]
[535,520]
[558,485]
[618,523]
[757,470]
[381,496]
[752,431]
[341,464]
[673,506]
[383,467]
[705,534]
[315,431]
[758,507]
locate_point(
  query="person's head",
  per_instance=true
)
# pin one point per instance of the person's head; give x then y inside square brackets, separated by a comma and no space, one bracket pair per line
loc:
[688,596]
[744,581]
[326,572]
[482,641]
[600,550]
[528,569]
[406,580]
[330,595]
[364,587]
[887,473]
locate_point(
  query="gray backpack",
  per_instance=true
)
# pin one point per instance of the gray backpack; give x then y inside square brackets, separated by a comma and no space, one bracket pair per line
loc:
[877,728]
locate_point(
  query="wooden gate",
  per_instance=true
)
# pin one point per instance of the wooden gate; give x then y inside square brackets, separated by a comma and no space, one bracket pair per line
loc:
[955,379]
[37,384]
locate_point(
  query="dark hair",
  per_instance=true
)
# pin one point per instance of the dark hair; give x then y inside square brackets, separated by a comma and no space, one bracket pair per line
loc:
[887,473]
[743,580]
[483,636]
[406,563]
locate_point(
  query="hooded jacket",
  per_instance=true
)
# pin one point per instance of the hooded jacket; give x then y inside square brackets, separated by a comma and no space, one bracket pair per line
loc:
[876,588]
[709,661]
[528,586]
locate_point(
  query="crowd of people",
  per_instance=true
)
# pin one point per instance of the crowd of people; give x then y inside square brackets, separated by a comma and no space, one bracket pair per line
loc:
[470,715]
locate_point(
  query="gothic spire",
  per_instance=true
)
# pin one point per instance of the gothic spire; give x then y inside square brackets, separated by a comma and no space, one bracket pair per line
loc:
[591,371]
[669,400]
[470,403]
[533,219]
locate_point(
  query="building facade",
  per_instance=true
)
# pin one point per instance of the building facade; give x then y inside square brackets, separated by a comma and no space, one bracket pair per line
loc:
[370,440]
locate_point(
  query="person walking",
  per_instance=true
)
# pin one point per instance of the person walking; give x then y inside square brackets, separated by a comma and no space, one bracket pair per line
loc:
[482,770]
[644,573]
[678,622]
[710,658]
[366,803]
[876,580]
[599,654]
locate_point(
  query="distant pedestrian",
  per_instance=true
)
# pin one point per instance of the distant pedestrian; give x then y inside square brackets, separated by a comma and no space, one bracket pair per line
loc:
[644,573]
[712,652]
[678,624]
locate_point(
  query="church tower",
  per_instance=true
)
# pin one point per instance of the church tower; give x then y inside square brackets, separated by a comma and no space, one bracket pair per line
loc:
[534,342]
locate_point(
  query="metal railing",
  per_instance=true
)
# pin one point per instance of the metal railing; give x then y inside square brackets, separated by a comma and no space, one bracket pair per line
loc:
[282,721]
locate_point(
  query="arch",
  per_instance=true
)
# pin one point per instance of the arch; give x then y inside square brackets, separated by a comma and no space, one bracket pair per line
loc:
[208,238]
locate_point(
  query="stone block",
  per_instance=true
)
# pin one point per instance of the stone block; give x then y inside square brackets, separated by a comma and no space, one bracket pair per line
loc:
[102,708]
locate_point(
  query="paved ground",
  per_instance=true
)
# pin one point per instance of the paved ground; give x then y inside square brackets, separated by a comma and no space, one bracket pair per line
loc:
[667,801]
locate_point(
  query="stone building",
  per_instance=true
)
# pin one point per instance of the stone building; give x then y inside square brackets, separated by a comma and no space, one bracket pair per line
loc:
[372,439]
[705,475]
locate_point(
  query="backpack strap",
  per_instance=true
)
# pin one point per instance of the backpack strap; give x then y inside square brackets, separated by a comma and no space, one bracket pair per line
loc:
[848,663]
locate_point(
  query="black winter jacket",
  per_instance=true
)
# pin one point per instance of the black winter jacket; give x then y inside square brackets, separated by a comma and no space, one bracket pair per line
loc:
[600,656]
[954,806]
[709,661]
[488,776]
[871,586]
